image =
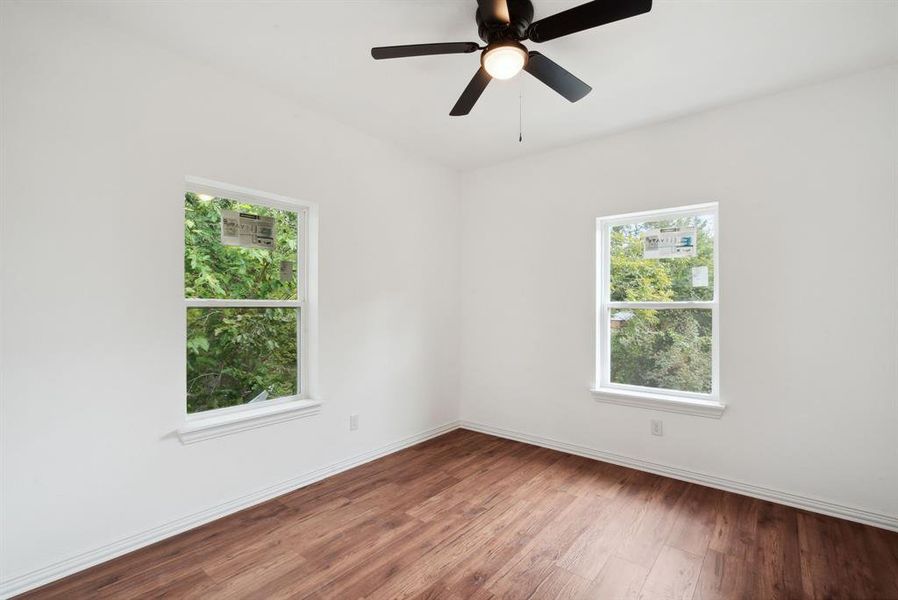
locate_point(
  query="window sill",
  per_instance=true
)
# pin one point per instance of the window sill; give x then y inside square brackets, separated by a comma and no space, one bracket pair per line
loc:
[687,406]
[199,428]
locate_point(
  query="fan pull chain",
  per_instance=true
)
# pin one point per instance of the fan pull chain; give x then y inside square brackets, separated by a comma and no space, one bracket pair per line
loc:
[521,115]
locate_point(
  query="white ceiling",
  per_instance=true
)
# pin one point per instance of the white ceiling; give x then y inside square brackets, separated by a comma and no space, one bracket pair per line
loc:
[681,57]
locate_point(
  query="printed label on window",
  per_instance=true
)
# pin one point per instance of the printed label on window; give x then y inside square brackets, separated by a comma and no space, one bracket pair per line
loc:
[670,242]
[246,230]
[699,277]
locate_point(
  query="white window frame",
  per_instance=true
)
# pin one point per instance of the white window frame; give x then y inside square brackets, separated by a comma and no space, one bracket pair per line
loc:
[224,421]
[604,390]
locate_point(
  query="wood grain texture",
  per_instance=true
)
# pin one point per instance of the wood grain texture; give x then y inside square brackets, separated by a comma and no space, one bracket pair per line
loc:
[474,517]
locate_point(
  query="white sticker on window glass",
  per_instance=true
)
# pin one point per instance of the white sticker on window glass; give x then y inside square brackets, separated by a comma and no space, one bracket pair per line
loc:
[246,230]
[670,242]
[699,277]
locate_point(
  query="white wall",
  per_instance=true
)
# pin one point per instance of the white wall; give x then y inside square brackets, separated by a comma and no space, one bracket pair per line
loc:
[806,182]
[98,133]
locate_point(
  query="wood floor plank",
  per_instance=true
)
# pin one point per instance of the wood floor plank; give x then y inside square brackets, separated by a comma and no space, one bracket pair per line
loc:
[538,558]
[879,550]
[673,576]
[611,479]
[831,563]
[440,561]
[241,584]
[610,529]
[776,554]
[619,579]
[655,519]
[725,577]
[696,521]
[474,517]
[246,556]
[482,566]
[736,525]
[559,583]
[493,484]
[394,560]
[343,555]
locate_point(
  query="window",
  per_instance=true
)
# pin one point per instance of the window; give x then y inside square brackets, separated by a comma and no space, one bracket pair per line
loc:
[657,323]
[249,305]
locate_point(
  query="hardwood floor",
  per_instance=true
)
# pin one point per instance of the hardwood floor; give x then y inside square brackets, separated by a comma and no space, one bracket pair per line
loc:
[470,516]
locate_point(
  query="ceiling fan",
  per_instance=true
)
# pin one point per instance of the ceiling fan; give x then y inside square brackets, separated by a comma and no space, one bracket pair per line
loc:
[503,24]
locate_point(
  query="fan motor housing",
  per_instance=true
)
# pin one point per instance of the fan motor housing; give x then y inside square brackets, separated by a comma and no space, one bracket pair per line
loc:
[521,13]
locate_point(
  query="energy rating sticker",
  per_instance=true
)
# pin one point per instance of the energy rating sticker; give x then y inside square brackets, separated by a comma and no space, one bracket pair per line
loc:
[246,230]
[670,242]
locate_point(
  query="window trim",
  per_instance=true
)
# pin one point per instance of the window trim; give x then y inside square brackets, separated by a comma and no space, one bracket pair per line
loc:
[708,405]
[224,421]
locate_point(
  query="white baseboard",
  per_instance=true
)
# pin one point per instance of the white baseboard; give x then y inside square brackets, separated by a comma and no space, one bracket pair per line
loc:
[780,497]
[45,575]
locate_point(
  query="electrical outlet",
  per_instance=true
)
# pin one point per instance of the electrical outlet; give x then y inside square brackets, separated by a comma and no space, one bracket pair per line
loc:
[657,427]
[353,422]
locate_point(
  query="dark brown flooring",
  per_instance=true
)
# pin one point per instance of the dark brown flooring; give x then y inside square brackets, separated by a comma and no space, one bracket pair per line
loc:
[468,516]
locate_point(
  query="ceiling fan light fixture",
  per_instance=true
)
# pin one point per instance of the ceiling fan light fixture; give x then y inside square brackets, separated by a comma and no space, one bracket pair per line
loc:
[505,60]
[503,25]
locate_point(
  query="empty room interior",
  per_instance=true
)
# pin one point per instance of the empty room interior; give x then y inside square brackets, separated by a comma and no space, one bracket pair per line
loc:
[449,299]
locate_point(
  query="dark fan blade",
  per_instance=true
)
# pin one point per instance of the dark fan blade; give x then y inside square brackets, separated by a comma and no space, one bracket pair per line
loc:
[586,16]
[424,50]
[469,97]
[494,11]
[556,77]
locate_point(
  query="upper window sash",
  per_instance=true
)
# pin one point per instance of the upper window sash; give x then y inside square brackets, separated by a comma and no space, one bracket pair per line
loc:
[198,186]
[604,227]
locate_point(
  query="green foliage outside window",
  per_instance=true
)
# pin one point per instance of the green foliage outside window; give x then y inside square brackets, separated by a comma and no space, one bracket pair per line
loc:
[213,270]
[671,348]
[234,354]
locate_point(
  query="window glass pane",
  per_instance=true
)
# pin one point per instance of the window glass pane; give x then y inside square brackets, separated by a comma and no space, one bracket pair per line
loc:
[240,355]
[668,348]
[635,278]
[213,269]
